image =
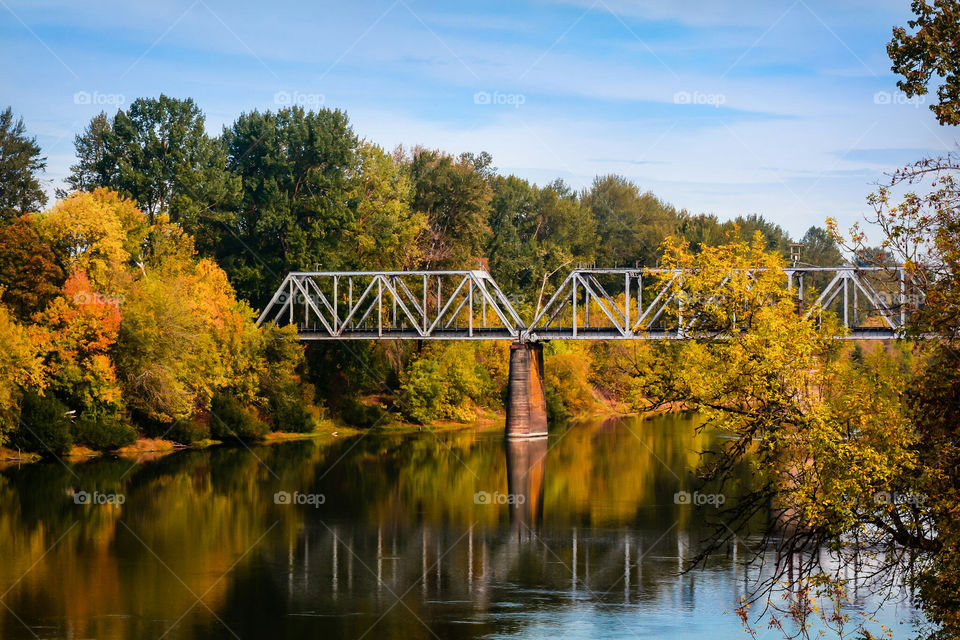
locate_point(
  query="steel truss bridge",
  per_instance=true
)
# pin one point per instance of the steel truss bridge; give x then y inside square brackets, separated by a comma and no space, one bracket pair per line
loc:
[590,304]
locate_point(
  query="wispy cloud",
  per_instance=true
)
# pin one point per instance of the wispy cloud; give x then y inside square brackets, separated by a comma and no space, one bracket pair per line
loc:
[722,107]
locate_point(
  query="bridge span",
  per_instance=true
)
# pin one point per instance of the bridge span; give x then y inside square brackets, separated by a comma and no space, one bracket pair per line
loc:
[871,303]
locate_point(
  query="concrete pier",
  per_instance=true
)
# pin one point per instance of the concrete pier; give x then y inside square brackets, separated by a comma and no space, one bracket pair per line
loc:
[526,399]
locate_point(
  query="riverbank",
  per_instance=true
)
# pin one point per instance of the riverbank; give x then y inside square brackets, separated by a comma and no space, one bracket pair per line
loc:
[146,449]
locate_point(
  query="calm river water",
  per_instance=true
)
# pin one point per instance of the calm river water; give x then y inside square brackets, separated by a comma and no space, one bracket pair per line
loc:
[454,535]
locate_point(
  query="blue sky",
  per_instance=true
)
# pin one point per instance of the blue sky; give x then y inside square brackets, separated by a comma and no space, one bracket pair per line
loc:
[787,109]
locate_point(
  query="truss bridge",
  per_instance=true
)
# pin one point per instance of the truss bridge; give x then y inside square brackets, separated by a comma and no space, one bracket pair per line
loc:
[870,303]
[590,304]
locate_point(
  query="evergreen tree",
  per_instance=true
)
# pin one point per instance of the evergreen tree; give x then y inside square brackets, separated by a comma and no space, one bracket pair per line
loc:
[20,162]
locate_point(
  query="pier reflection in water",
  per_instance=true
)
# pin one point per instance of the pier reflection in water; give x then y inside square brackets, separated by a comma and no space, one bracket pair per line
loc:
[526,465]
[401,545]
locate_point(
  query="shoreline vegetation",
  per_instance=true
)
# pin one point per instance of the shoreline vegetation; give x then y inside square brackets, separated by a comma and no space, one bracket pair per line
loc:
[147,449]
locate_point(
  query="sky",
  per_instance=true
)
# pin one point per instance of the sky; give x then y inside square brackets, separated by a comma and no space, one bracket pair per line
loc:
[785,109]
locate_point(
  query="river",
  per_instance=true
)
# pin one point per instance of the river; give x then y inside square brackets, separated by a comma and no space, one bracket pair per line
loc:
[423,535]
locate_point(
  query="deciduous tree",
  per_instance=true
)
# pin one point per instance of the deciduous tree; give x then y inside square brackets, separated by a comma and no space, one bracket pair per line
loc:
[298,172]
[29,273]
[21,366]
[929,55]
[158,153]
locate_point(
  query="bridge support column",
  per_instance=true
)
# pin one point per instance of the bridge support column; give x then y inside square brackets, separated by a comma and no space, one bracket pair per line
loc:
[526,398]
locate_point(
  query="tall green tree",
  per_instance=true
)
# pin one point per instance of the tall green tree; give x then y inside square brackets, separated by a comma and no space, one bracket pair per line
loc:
[630,224]
[820,248]
[455,197]
[91,152]
[300,180]
[535,230]
[158,153]
[383,232]
[746,227]
[20,163]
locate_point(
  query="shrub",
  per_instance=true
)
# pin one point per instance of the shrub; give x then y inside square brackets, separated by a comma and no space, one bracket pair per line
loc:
[445,383]
[187,431]
[44,425]
[364,416]
[231,420]
[289,414]
[104,433]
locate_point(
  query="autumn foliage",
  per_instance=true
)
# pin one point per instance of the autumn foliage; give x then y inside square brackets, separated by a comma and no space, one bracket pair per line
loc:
[141,331]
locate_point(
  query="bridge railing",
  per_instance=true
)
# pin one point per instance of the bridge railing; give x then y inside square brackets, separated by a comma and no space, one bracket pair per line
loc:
[394,304]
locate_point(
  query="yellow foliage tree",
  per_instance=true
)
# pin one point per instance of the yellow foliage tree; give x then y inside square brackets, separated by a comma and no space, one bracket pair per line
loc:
[20,366]
[825,434]
[97,233]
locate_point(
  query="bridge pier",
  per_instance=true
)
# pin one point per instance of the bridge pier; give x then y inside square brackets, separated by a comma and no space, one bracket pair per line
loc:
[526,397]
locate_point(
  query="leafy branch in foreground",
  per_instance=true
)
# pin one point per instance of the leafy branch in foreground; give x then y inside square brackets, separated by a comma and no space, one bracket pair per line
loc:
[827,435]
[813,607]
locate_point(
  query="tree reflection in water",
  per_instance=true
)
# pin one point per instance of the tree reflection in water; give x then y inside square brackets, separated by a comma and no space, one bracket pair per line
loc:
[399,547]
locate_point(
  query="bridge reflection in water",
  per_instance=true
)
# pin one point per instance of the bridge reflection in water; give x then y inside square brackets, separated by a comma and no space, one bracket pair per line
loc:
[526,471]
[400,546]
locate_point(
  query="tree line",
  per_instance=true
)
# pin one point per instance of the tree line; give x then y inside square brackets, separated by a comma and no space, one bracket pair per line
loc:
[295,190]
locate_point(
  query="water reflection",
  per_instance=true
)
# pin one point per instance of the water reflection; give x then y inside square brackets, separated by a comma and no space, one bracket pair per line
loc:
[526,468]
[399,547]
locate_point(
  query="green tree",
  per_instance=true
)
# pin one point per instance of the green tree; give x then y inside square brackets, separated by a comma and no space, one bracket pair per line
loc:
[158,153]
[91,153]
[820,248]
[630,224]
[929,55]
[300,186]
[383,232]
[746,227]
[20,162]
[455,197]
[534,231]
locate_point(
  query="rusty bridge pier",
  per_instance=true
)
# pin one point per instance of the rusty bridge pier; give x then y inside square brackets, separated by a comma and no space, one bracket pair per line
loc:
[526,394]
